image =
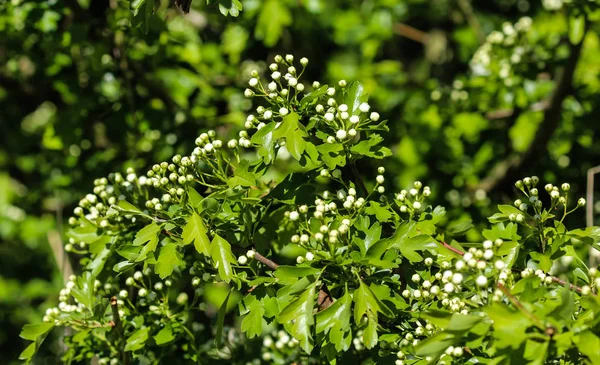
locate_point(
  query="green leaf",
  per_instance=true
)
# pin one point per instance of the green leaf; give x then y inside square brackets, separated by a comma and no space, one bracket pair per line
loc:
[372,236]
[128,208]
[313,96]
[96,266]
[137,340]
[220,252]
[435,345]
[398,239]
[253,321]
[459,228]
[32,331]
[194,198]
[221,321]
[366,303]
[195,231]
[265,142]
[588,344]
[338,314]
[29,351]
[461,322]
[84,290]
[369,147]
[509,326]
[290,274]
[230,7]
[353,96]
[273,17]
[294,134]
[85,232]
[332,154]
[168,259]
[576,28]
[37,333]
[242,175]
[123,266]
[165,335]
[299,316]
[148,236]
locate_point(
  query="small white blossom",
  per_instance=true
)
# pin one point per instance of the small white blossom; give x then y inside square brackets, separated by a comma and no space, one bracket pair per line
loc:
[341,134]
[364,107]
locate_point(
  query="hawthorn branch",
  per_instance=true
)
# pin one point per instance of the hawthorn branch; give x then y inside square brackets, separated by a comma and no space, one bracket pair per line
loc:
[324,299]
[554,278]
[509,169]
[520,306]
[267,262]
[412,33]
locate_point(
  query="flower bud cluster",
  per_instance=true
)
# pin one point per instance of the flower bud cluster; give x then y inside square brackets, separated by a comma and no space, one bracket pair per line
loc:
[412,201]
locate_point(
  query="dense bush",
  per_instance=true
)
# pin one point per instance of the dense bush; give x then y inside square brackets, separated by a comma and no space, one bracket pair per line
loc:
[482,95]
[378,276]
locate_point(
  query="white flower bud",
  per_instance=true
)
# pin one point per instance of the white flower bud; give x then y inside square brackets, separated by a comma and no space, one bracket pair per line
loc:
[294,216]
[304,61]
[499,265]
[242,260]
[481,281]
[374,116]
[364,107]
[341,134]
[310,256]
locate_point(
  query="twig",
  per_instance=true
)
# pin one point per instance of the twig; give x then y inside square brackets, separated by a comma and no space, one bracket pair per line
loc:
[324,299]
[571,286]
[270,264]
[411,33]
[509,169]
[467,9]
[520,306]
[358,178]
[118,326]
[455,250]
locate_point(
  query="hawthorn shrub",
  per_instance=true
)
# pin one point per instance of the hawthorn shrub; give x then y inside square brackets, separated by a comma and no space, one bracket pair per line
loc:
[378,277]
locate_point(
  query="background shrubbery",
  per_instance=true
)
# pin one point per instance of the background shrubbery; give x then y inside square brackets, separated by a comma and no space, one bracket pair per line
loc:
[476,94]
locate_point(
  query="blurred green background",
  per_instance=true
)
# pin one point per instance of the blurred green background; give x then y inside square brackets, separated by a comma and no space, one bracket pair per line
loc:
[475,94]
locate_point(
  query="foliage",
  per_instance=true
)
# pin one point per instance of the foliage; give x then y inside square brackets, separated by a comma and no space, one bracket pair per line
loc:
[83,93]
[379,276]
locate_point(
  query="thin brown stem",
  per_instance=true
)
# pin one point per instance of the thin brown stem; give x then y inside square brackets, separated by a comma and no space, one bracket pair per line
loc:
[269,263]
[411,33]
[520,306]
